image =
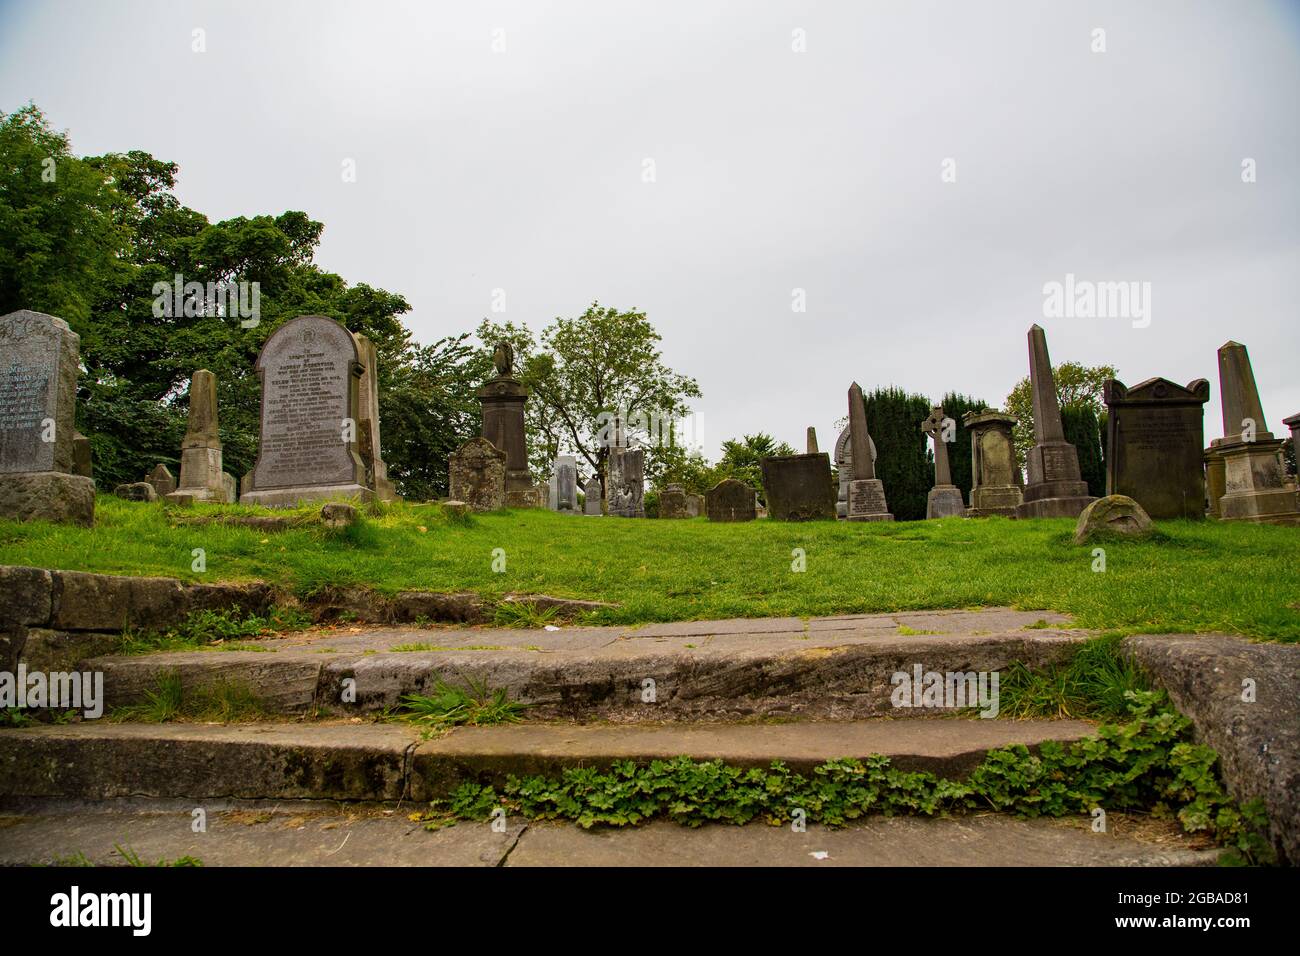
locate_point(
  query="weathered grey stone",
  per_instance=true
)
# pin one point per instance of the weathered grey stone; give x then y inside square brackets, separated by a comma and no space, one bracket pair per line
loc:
[810,446]
[201,451]
[48,650]
[694,506]
[730,500]
[1055,488]
[1243,699]
[944,500]
[477,472]
[164,483]
[310,373]
[335,514]
[105,602]
[48,496]
[83,459]
[672,502]
[368,421]
[565,482]
[844,468]
[38,387]
[1117,515]
[625,482]
[136,491]
[503,400]
[1253,476]
[591,495]
[996,483]
[456,509]
[1215,478]
[1155,431]
[865,500]
[798,487]
[28,597]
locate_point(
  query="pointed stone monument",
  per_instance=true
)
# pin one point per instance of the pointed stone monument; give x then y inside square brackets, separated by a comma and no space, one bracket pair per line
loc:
[866,492]
[162,479]
[812,441]
[1055,488]
[310,371]
[944,500]
[368,422]
[844,468]
[996,484]
[39,364]
[201,476]
[1252,467]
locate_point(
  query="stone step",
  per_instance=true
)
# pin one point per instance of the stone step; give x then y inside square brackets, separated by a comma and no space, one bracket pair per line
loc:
[324,834]
[833,668]
[383,762]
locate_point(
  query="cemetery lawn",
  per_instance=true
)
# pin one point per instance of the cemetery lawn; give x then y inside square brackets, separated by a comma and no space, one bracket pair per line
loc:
[1190,576]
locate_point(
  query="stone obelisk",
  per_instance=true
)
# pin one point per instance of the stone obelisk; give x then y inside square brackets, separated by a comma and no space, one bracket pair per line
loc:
[944,500]
[811,441]
[1055,488]
[201,476]
[1252,466]
[866,491]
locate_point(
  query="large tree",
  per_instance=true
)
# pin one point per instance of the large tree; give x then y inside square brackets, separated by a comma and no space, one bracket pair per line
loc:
[1077,387]
[584,373]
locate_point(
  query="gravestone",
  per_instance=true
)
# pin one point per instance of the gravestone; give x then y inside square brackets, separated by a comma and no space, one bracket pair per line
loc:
[162,479]
[811,447]
[310,371]
[1252,468]
[730,500]
[201,476]
[844,468]
[136,491]
[1055,488]
[591,496]
[694,506]
[368,422]
[625,482]
[798,487]
[502,400]
[996,483]
[477,475]
[672,502]
[566,484]
[1154,437]
[39,363]
[1215,481]
[551,495]
[866,492]
[82,457]
[944,500]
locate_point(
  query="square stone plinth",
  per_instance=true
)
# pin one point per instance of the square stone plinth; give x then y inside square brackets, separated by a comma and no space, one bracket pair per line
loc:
[292,497]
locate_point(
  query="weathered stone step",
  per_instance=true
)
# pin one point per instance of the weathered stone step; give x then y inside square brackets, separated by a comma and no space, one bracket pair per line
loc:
[835,668]
[311,834]
[377,762]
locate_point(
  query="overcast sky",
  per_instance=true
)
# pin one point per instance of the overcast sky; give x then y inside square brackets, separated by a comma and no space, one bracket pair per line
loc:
[524,169]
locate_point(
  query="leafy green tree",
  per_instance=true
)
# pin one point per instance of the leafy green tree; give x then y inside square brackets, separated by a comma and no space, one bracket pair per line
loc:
[903,459]
[583,372]
[743,459]
[1077,386]
[1083,431]
[955,405]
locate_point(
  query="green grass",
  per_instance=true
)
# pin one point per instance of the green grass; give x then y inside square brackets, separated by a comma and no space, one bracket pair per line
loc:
[1190,576]
[222,701]
[473,705]
[1095,682]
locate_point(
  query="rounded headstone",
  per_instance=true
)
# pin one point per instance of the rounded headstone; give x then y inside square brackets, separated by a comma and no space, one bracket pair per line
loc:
[1117,515]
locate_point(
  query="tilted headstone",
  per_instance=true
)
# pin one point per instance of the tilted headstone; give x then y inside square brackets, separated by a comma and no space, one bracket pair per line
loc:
[477,475]
[1155,432]
[866,492]
[944,500]
[844,468]
[730,500]
[591,495]
[1055,488]
[798,487]
[310,372]
[39,363]
[566,484]
[625,482]
[672,502]
[162,479]
[996,482]
[202,478]
[368,421]
[1255,486]
[503,399]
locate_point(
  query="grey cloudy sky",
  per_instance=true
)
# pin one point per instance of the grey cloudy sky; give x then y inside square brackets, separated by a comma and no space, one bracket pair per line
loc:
[775,170]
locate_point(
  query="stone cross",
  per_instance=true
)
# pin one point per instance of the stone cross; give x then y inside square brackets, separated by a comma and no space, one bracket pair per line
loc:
[859,438]
[934,427]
